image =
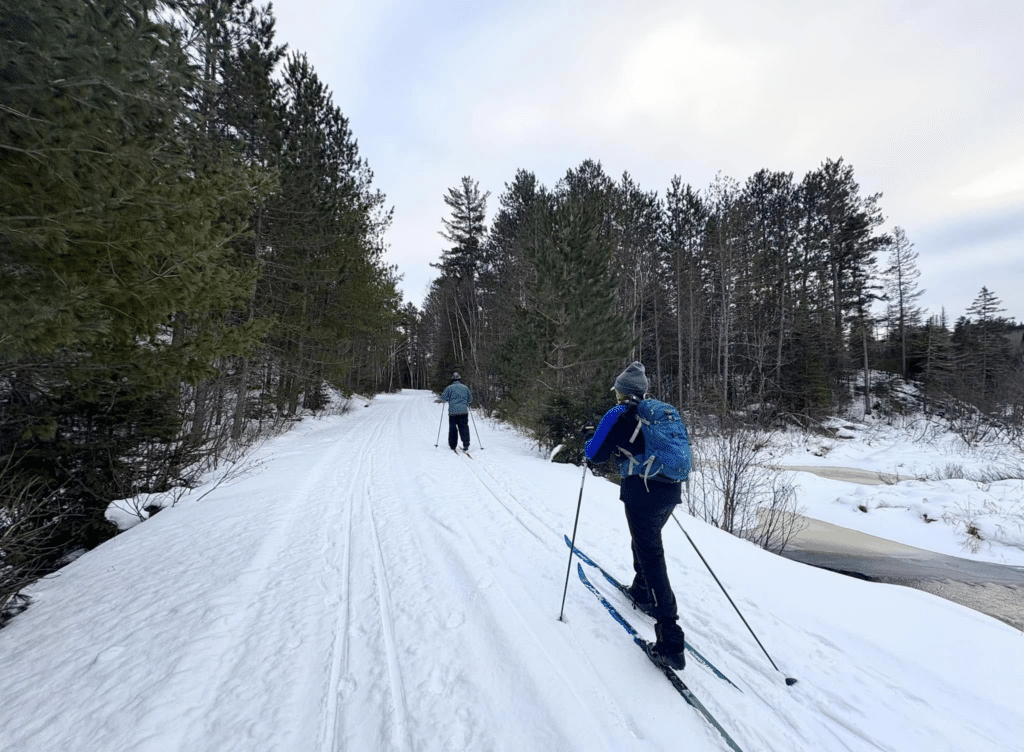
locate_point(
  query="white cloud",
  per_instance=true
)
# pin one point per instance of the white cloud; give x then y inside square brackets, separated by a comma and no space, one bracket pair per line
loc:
[925,100]
[1004,182]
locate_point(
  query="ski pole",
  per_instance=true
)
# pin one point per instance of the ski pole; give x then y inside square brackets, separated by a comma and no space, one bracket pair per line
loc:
[474,427]
[572,545]
[789,681]
[439,422]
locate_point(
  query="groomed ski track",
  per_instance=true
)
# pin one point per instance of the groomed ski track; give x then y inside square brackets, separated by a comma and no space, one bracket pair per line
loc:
[397,596]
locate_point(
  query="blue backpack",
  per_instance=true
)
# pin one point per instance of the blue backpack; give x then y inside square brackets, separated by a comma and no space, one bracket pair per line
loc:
[666,454]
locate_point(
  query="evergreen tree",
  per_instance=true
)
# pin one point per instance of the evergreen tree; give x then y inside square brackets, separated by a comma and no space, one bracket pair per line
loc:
[684,233]
[509,236]
[323,283]
[769,216]
[466,231]
[569,333]
[507,239]
[111,236]
[466,278]
[984,350]
[230,44]
[937,359]
[636,217]
[839,247]
[902,291]
[862,320]
[724,260]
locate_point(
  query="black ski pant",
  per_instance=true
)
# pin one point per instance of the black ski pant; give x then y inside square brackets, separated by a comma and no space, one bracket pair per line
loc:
[647,510]
[458,425]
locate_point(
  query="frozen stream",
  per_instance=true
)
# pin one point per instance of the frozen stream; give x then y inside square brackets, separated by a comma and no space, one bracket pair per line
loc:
[993,589]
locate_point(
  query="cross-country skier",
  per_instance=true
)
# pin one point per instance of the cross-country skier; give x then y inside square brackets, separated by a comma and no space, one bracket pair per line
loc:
[648,505]
[459,398]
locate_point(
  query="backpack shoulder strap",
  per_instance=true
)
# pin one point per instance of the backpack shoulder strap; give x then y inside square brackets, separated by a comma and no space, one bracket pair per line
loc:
[639,420]
[639,425]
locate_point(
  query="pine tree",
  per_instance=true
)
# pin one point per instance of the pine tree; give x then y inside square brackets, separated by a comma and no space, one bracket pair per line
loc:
[111,235]
[230,45]
[769,216]
[636,217]
[902,291]
[685,229]
[570,334]
[324,282]
[839,247]
[938,360]
[506,289]
[466,231]
[506,242]
[984,350]
[724,253]
[466,278]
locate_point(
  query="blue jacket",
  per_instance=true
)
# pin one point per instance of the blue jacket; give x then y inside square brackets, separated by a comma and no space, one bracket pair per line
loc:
[615,429]
[458,397]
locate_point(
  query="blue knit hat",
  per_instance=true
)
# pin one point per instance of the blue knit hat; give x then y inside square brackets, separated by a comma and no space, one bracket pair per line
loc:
[633,381]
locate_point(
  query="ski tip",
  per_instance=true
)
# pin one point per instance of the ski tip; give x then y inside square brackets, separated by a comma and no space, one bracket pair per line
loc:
[790,681]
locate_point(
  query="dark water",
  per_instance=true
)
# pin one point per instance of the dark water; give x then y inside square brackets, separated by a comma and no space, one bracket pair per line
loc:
[993,589]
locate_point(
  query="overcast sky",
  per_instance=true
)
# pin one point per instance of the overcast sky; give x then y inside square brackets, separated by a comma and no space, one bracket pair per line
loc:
[924,99]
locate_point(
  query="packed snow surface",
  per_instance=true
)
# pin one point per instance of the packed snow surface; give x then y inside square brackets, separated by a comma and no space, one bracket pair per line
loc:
[360,589]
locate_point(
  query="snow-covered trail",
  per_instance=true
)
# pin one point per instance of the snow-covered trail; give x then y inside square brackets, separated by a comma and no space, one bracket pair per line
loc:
[362,607]
[364,590]
[433,565]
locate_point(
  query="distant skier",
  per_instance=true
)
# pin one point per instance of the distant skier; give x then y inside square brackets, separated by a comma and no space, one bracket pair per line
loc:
[648,503]
[459,398]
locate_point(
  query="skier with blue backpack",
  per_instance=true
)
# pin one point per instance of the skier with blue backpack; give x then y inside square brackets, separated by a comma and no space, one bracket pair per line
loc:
[650,443]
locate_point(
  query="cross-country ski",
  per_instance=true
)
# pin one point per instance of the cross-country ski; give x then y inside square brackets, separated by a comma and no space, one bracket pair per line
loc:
[677,683]
[624,591]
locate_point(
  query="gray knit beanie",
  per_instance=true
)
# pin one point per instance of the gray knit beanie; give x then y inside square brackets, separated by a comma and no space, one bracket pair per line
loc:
[633,381]
[456,377]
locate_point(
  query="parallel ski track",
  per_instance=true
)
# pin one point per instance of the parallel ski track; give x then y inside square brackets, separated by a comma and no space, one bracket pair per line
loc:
[361,501]
[340,646]
[584,699]
[388,631]
[478,471]
[524,517]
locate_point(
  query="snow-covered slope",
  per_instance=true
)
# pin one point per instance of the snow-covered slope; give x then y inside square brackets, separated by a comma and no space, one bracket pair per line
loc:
[362,590]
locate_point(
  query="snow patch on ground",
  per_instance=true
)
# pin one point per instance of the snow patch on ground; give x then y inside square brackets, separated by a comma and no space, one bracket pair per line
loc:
[362,590]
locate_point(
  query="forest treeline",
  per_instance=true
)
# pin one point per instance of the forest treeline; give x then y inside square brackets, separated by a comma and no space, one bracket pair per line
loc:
[772,298]
[191,252]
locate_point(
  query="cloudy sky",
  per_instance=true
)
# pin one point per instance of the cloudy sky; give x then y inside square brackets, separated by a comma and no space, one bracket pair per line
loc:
[924,98]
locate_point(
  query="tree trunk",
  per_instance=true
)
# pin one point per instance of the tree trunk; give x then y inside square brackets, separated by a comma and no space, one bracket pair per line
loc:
[867,372]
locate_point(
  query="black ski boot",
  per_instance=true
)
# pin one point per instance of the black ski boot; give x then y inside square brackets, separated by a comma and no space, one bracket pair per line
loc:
[668,650]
